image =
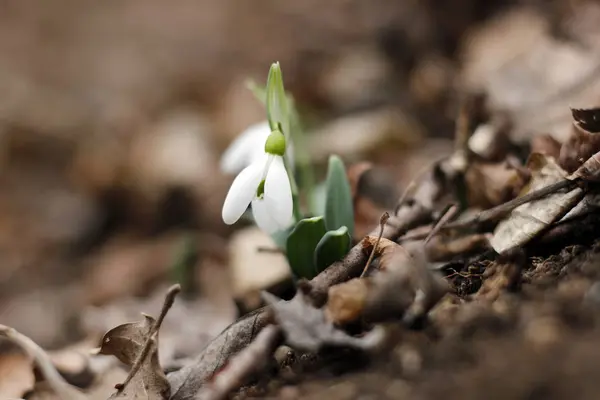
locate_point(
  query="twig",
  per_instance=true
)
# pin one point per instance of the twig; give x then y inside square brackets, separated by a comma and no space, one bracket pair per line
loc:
[448,215]
[249,361]
[382,221]
[61,387]
[498,211]
[168,303]
[271,250]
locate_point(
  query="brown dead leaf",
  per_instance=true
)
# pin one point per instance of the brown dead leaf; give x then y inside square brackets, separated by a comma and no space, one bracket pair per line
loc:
[582,143]
[136,344]
[546,145]
[491,184]
[443,248]
[306,328]
[16,375]
[491,141]
[126,341]
[588,119]
[528,220]
[589,171]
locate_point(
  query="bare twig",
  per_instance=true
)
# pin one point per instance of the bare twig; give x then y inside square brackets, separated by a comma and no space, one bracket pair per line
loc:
[448,215]
[382,221]
[249,361]
[168,303]
[502,209]
[61,387]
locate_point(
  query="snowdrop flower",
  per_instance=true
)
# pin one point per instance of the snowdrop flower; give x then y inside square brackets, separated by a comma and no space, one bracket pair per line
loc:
[248,147]
[264,184]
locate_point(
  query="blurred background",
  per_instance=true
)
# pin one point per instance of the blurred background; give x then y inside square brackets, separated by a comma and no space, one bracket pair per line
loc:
[114,114]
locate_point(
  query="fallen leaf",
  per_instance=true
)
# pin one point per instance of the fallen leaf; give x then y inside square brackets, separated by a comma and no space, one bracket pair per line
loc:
[588,119]
[490,141]
[306,328]
[491,184]
[528,220]
[546,145]
[443,248]
[16,375]
[136,345]
[126,341]
[581,144]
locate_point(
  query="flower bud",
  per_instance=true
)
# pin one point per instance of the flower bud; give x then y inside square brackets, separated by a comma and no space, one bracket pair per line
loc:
[275,144]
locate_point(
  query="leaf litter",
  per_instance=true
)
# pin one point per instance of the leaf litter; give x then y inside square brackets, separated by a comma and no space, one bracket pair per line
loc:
[489,304]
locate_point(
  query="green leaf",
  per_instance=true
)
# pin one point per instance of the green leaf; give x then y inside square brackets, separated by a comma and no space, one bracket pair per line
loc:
[332,247]
[301,245]
[276,99]
[338,204]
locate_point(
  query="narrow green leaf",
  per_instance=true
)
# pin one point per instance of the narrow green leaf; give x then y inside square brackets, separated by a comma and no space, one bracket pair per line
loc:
[301,245]
[338,204]
[332,247]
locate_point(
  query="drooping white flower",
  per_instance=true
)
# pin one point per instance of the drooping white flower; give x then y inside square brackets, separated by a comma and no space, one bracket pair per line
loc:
[266,186]
[248,147]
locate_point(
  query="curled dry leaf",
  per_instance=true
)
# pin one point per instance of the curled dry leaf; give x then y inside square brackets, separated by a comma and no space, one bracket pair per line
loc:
[405,288]
[126,342]
[528,220]
[306,327]
[583,141]
[386,251]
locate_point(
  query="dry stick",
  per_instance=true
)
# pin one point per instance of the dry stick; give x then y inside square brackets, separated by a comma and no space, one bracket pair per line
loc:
[167,304]
[382,221]
[186,382]
[504,208]
[61,387]
[448,215]
[247,362]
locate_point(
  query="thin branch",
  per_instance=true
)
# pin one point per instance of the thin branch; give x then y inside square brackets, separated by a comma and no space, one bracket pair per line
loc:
[500,210]
[61,387]
[382,221]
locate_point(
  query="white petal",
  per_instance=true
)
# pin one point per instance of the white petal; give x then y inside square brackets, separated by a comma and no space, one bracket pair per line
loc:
[242,191]
[263,216]
[245,148]
[278,194]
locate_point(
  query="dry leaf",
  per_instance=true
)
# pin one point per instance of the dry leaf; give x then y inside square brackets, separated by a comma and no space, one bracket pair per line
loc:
[491,184]
[443,248]
[583,141]
[528,220]
[16,375]
[126,342]
[490,141]
[589,171]
[546,145]
[306,328]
